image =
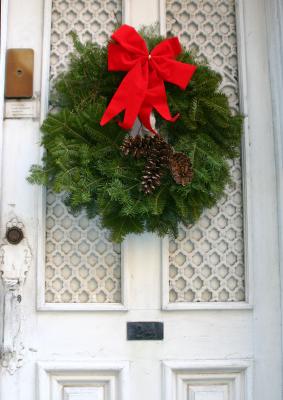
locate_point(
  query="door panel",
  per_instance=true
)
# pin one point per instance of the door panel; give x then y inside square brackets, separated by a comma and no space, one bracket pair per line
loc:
[82,264]
[206,262]
[215,380]
[82,381]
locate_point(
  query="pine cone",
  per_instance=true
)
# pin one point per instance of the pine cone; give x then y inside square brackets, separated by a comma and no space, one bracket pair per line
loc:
[138,146]
[152,176]
[181,168]
[158,158]
[158,153]
[162,150]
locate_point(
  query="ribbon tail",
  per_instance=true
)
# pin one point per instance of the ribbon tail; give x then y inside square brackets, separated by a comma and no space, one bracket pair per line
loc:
[156,98]
[114,108]
[161,105]
[129,97]
[144,116]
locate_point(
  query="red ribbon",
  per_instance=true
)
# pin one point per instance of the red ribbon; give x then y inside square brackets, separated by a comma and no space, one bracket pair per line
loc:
[142,89]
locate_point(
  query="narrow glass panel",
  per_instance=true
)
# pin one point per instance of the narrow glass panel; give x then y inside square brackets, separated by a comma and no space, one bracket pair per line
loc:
[82,264]
[207,259]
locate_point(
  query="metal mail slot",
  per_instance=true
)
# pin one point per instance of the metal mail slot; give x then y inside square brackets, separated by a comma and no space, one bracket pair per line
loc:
[145,331]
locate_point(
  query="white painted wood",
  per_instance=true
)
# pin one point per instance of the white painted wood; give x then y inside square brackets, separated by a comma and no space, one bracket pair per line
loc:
[14,267]
[209,347]
[83,380]
[263,218]
[274,18]
[3,43]
[246,155]
[247,195]
[42,305]
[217,392]
[208,379]
[94,393]
[138,14]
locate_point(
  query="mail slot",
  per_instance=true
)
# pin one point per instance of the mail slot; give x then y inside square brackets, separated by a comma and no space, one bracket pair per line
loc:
[145,331]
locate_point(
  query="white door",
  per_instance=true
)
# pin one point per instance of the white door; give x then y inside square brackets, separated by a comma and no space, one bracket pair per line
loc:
[68,293]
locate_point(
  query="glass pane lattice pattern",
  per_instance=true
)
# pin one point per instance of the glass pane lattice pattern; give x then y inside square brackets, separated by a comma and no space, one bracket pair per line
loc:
[207,260]
[82,264]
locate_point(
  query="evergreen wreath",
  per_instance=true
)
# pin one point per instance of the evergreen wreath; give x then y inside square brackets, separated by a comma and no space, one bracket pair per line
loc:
[145,182]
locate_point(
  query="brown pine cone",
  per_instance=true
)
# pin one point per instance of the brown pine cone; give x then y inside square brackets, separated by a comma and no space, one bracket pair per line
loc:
[133,145]
[138,146]
[151,176]
[159,154]
[181,168]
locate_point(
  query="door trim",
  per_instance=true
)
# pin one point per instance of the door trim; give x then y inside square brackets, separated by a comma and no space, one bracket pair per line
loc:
[247,195]
[127,10]
[274,18]
[237,374]
[42,305]
[3,47]
[52,376]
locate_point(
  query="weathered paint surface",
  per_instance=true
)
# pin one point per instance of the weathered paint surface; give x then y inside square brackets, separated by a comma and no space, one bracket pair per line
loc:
[88,351]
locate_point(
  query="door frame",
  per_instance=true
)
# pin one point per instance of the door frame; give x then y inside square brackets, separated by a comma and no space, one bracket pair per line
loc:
[3,46]
[264,204]
[274,24]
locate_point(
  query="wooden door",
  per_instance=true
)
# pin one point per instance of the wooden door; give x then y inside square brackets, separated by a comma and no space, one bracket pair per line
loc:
[69,292]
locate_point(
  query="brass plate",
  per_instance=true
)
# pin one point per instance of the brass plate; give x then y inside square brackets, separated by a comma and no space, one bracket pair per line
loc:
[19,73]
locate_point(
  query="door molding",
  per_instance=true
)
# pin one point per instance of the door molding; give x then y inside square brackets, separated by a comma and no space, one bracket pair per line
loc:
[55,378]
[130,10]
[3,46]
[274,18]
[263,212]
[42,305]
[233,377]
[247,193]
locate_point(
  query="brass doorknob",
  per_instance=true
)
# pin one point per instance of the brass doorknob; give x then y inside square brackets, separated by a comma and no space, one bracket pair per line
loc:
[14,235]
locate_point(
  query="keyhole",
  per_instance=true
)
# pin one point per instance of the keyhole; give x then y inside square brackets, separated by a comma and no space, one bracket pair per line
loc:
[19,72]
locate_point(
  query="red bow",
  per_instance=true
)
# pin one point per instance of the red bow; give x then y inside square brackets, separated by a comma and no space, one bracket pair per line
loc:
[142,89]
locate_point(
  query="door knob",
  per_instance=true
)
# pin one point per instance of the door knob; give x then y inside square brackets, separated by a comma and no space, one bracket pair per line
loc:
[14,235]
[15,262]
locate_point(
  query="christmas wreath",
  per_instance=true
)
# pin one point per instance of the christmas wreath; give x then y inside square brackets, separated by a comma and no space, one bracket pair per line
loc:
[149,178]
